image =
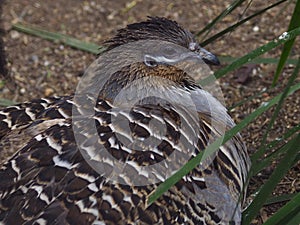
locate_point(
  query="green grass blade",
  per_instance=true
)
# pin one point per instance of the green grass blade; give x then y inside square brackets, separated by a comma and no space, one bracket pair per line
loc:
[234,26]
[280,198]
[227,11]
[291,80]
[214,147]
[278,173]
[257,167]
[284,137]
[247,99]
[295,22]
[290,212]
[250,56]
[58,38]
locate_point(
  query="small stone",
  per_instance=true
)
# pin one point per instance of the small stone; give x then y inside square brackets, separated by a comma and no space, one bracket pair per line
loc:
[25,40]
[22,90]
[46,63]
[14,34]
[111,16]
[256,28]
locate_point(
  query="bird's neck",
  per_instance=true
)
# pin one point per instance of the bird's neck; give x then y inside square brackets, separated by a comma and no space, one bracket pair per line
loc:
[129,85]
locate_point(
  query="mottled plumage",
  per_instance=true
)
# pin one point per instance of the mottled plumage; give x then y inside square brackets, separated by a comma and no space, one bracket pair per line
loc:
[48,180]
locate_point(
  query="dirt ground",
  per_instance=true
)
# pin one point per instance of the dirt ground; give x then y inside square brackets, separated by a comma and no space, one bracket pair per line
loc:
[38,68]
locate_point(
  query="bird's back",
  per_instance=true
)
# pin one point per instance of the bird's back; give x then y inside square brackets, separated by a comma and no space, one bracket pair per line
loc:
[49,180]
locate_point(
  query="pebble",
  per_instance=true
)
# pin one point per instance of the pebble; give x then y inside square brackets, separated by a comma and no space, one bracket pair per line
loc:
[46,63]
[14,34]
[256,28]
[22,90]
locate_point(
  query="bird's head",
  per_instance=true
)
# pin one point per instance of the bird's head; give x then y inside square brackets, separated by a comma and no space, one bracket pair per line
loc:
[161,29]
[156,48]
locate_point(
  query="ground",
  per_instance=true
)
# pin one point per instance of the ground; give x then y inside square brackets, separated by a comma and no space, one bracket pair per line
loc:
[38,68]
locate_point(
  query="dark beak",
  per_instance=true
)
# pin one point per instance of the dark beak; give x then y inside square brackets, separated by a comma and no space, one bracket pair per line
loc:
[208,57]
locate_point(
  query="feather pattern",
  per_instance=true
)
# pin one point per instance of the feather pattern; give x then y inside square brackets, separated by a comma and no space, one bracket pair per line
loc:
[49,180]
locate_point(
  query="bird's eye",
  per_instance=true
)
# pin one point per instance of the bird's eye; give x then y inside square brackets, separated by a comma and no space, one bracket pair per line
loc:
[150,61]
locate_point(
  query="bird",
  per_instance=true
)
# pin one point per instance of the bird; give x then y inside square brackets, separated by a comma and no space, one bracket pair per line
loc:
[136,117]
